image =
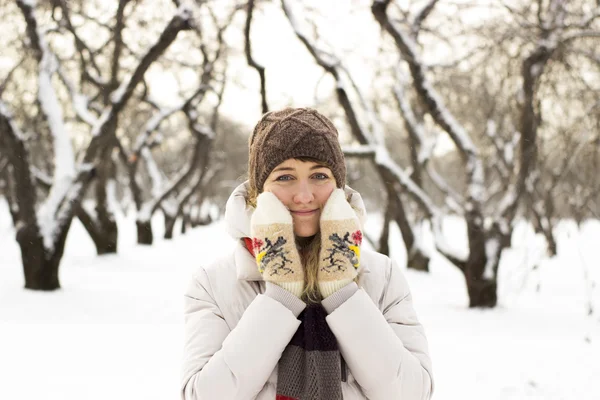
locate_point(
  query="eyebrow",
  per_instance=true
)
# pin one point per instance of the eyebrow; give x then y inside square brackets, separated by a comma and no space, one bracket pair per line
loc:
[293,169]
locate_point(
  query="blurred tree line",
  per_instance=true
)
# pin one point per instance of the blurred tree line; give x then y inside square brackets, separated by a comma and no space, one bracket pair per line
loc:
[489,110]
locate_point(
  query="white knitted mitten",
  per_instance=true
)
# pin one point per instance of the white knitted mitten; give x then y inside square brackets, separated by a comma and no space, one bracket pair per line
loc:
[274,245]
[341,238]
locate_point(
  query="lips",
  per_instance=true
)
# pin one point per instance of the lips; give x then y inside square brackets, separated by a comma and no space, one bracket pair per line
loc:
[303,213]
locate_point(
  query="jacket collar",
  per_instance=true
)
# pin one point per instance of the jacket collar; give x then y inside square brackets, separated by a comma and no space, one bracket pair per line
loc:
[237,225]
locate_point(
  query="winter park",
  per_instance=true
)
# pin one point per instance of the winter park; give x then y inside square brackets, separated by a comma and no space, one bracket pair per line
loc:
[190,189]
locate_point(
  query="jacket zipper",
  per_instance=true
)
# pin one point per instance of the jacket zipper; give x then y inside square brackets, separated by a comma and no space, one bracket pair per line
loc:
[343,367]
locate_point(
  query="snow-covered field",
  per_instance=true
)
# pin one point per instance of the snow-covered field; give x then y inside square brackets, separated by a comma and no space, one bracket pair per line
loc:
[114,330]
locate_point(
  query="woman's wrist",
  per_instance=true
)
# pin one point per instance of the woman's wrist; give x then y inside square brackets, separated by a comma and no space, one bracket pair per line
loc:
[332,302]
[285,297]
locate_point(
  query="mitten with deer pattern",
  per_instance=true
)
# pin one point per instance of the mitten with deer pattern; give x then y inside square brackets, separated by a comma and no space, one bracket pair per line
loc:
[274,244]
[341,238]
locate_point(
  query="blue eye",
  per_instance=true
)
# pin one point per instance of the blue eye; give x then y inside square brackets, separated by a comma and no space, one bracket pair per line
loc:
[321,176]
[283,178]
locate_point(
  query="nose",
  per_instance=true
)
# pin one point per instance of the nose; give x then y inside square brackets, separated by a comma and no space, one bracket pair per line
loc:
[304,194]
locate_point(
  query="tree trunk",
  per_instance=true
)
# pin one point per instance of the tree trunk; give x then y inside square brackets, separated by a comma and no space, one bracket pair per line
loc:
[40,273]
[108,231]
[184,223]
[169,225]
[9,194]
[551,242]
[186,219]
[384,238]
[483,291]
[39,266]
[144,232]
[416,259]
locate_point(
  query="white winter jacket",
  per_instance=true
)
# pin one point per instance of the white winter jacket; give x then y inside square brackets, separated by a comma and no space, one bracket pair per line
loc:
[235,334]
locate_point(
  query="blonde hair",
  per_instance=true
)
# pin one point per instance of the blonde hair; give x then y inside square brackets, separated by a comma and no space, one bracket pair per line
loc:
[309,255]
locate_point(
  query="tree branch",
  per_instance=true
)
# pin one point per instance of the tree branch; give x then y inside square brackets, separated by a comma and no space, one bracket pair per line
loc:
[251,62]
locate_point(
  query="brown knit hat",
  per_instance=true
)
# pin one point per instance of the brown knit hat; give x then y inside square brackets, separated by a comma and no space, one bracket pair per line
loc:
[294,133]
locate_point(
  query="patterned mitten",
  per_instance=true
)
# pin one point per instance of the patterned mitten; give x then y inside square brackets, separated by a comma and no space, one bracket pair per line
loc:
[340,244]
[274,244]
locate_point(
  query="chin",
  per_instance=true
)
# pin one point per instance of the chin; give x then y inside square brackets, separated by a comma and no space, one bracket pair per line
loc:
[305,231]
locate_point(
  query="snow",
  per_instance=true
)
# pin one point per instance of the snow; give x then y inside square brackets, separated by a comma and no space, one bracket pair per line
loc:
[152,124]
[382,157]
[476,185]
[111,196]
[64,159]
[509,149]
[491,128]
[48,210]
[153,171]
[117,96]
[115,329]
[145,212]
[184,12]
[440,237]
[80,104]
[536,69]
[63,150]
[102,121]
[426,145]
[359,150]
[9,117]
[492,247]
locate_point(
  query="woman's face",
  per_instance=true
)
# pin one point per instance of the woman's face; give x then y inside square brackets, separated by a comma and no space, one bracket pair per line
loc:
[303,187]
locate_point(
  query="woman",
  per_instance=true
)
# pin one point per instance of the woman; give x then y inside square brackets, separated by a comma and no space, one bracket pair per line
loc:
[298,310]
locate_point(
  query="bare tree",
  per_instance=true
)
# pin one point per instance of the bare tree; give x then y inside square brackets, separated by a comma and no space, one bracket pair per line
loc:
[172,197]
[41,234]
[250,59]
[487,240]
[371,138]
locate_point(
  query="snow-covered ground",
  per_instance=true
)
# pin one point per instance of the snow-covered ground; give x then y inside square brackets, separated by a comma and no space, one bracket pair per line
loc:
[114,330]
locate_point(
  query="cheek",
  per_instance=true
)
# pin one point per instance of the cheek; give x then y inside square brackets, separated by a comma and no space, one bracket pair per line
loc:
[324,193]
[281,193]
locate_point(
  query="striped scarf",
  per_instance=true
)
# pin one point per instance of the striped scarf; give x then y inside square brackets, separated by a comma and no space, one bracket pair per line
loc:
[311,366]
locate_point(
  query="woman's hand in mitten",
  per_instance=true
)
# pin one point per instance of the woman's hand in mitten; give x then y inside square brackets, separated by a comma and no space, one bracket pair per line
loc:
[274,244]
[341,238]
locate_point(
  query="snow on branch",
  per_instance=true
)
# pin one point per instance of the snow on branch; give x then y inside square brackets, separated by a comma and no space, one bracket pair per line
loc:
[433,100]
[64,159]
[416,130]
[359,151]
[436,107]
[383,159]
[80,101]
[101,131]
[421,16]
[370,147]
[179,22]
[251,61]
[64,168]
[10,127]
[504,150]
[531,70]
[119,98]
[81,47]
[156,177]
